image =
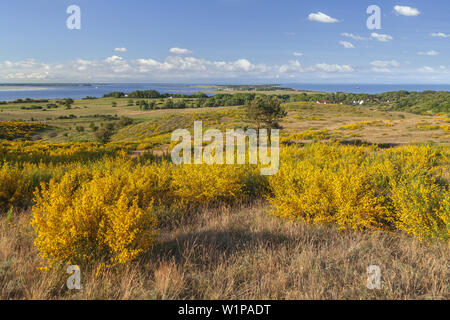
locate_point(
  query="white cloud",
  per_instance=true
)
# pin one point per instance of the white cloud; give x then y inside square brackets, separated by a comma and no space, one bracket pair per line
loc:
[440,34]
[120,49]
[331,68]
[346,44]
[426,69]
[291,67]
[381,37]
[24,64]
[321,17]
[298,54]
[353,36]
[384,66]
[406,11]
[381,63]
[118,64]
[180,51]
[441,70]
[244,65]
[185,66]
[295,66]
[116,68]
[428,53]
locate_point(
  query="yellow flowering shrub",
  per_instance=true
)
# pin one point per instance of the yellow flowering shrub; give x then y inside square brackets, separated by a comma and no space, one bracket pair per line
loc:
[195,185]
[363,188]
[426,126]
[343,189]
[362,124]
[10,130]
[92,215]
[422,206]
[18,182]
[315,135]
[95,202]
[13,187]
[420,191]
[43,152]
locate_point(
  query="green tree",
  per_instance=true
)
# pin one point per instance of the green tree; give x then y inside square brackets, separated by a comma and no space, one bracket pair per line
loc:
[125,121]
[265,112]
[104,134]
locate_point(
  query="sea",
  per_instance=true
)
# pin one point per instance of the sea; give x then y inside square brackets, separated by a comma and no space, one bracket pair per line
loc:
[10,92]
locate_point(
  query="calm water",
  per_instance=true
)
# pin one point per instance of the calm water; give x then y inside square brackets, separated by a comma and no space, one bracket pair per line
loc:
[98,90]
[8,93]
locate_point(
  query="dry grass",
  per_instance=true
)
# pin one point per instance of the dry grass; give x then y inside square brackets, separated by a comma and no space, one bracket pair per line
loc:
[241,253]
[401,129]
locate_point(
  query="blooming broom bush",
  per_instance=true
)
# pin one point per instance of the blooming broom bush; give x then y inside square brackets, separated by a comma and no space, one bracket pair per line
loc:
[343,190]
[420,191]
[16,129]
[92,215]
[106,210]
[105,206]
[14,189]
[363,188]
[195,185]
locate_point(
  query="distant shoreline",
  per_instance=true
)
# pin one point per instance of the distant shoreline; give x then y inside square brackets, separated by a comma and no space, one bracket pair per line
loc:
[14,91]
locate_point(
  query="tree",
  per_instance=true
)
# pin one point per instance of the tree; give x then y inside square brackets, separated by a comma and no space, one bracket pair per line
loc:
[125,121]
[143,105]
[114,94]
[265,112]
[169,104]
[104,134]
[93,127]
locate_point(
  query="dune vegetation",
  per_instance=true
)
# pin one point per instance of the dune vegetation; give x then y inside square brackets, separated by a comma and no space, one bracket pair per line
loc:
[140,226]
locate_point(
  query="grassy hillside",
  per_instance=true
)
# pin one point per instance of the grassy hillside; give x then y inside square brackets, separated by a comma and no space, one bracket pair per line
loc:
[356,186]
[130,123]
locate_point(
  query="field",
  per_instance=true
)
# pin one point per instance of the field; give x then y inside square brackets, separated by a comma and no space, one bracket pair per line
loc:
[357,186]
[388,127]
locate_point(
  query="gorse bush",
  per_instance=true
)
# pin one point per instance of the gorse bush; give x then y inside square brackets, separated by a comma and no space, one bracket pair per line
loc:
[108,210]
[315,135]
[10,130]
[340,190]
[204,184]
[93,202]
[362,124]
[18,182]
[42,152]
[93,215]
[14,189]
[362,188]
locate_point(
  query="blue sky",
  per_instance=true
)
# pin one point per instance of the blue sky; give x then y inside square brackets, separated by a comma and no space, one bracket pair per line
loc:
[225,41]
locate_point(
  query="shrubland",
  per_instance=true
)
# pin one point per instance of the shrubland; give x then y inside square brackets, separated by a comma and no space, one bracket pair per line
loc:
[106,206]
[224,231]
